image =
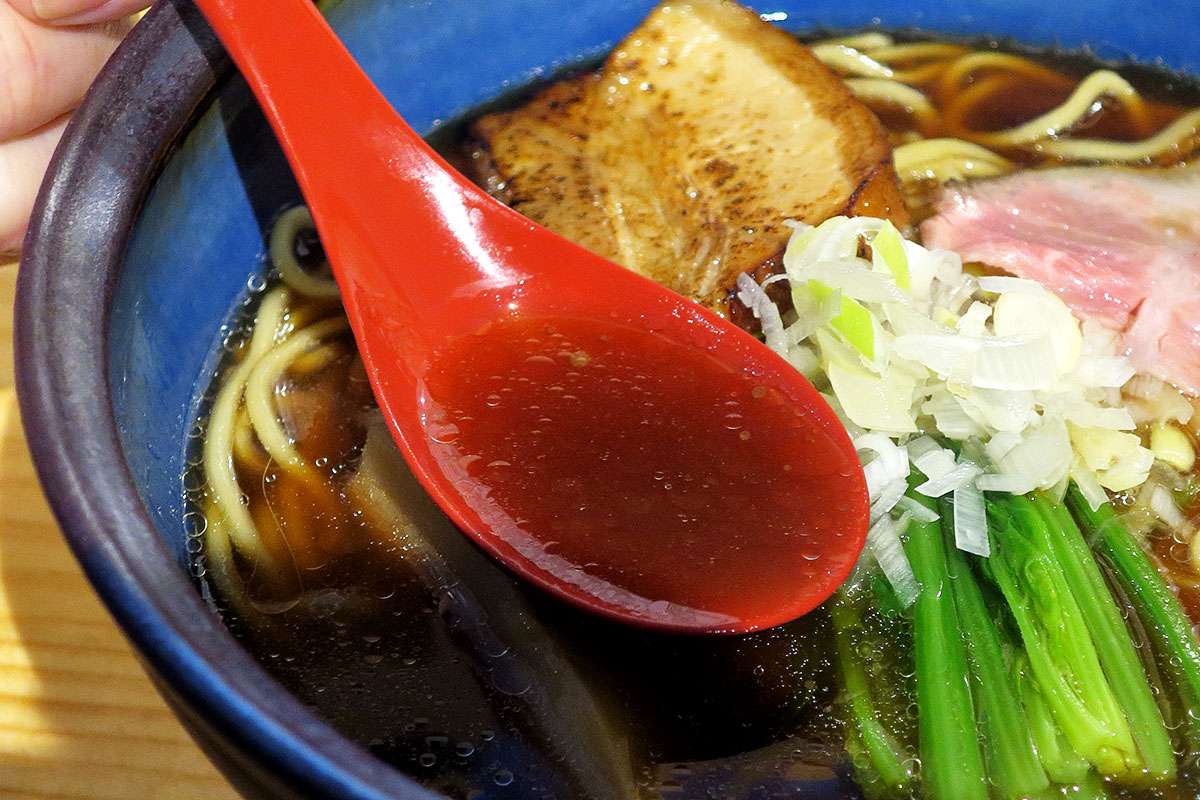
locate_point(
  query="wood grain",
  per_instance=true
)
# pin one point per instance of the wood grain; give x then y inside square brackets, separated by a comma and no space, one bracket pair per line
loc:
[79,720]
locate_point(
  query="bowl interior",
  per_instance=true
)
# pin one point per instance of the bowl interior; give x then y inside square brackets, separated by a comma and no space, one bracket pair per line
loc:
[198,245]
[199,240]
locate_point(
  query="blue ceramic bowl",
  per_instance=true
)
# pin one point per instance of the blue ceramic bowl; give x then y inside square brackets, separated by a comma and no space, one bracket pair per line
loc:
[151,223]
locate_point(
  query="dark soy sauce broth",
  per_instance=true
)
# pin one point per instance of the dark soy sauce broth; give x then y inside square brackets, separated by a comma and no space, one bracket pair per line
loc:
[397,656]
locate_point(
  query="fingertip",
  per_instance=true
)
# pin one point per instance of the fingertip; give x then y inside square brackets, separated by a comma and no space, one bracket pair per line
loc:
[24,8]
[10,246]
[23,164]
[77,12]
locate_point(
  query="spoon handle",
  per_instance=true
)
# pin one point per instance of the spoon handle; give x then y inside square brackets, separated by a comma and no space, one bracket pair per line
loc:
[389,209]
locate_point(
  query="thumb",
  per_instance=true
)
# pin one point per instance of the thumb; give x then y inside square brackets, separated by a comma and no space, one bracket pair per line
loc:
[22,162]
[77,12]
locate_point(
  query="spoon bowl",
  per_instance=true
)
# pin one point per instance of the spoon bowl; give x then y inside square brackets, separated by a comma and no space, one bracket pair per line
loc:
[693,481]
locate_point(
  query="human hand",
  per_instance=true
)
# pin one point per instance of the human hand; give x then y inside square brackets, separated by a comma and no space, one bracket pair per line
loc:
[50,50]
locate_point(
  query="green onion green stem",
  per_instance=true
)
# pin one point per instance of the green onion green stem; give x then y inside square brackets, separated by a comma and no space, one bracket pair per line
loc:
[1060,760]
[951,762]
[1012,762]
[1114,646]
[890,764]
[1062,656]
[1158,609]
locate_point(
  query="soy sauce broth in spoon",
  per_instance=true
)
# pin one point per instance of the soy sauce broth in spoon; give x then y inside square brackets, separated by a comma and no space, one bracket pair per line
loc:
[647,475]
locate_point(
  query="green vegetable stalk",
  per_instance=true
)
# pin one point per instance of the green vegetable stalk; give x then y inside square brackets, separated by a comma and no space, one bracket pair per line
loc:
[1062,656]
[951,762]
[1060,760]
[882,764]
[1090,788]
[1012,762]
[1114,647]
[1164,619]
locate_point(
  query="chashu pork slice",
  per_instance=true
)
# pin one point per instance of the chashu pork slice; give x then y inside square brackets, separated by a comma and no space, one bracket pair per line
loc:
[682,157]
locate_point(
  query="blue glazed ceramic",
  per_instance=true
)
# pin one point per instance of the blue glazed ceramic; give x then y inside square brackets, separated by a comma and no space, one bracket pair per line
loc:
[148,231]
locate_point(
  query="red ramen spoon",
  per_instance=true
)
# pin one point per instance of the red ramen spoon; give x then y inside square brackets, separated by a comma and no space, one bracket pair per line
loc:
[604,438]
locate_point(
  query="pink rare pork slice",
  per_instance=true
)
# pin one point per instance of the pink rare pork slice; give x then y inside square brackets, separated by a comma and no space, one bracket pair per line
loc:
[1120,246]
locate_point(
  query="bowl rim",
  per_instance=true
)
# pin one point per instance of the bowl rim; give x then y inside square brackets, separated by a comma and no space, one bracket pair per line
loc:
[110,155]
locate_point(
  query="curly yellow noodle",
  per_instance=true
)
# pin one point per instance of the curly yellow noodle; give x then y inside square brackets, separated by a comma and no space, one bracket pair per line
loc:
[232,519]
[894,93]
[1188,579]
[859,41]
[247,452]
[971,63]
[1181,135]
[315,360]
[956,112]
[849,61]
[239,423]
[220,569]
[283,256]
[261,385]
[915,51]
[921,74]
[944,160]
[1080,105]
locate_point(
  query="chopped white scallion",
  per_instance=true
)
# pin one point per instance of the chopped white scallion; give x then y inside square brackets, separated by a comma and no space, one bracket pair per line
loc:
[855,278]
[1089,415]
[1001,445]
[1041,458]
[949,416]
[1145,387]
[805,361]
[1104,371]
[1015,364]
[970,521]
[884,543]
[754,298]
[1059,490]
[1005,412]
[1089,487]
[887,499]
[917,510]
[1163,506]
[951,296]
[961,475]
[1158,401]
[1011,484]
[871,401]
[935,464]
[1040,316]
[889,465]
[974,321]
[1002,284]
[812,313]
[952,357]
[922,270]
[920,445]
[907,342]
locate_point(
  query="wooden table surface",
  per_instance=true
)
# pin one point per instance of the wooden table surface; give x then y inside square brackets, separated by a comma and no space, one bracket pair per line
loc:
[79,720]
